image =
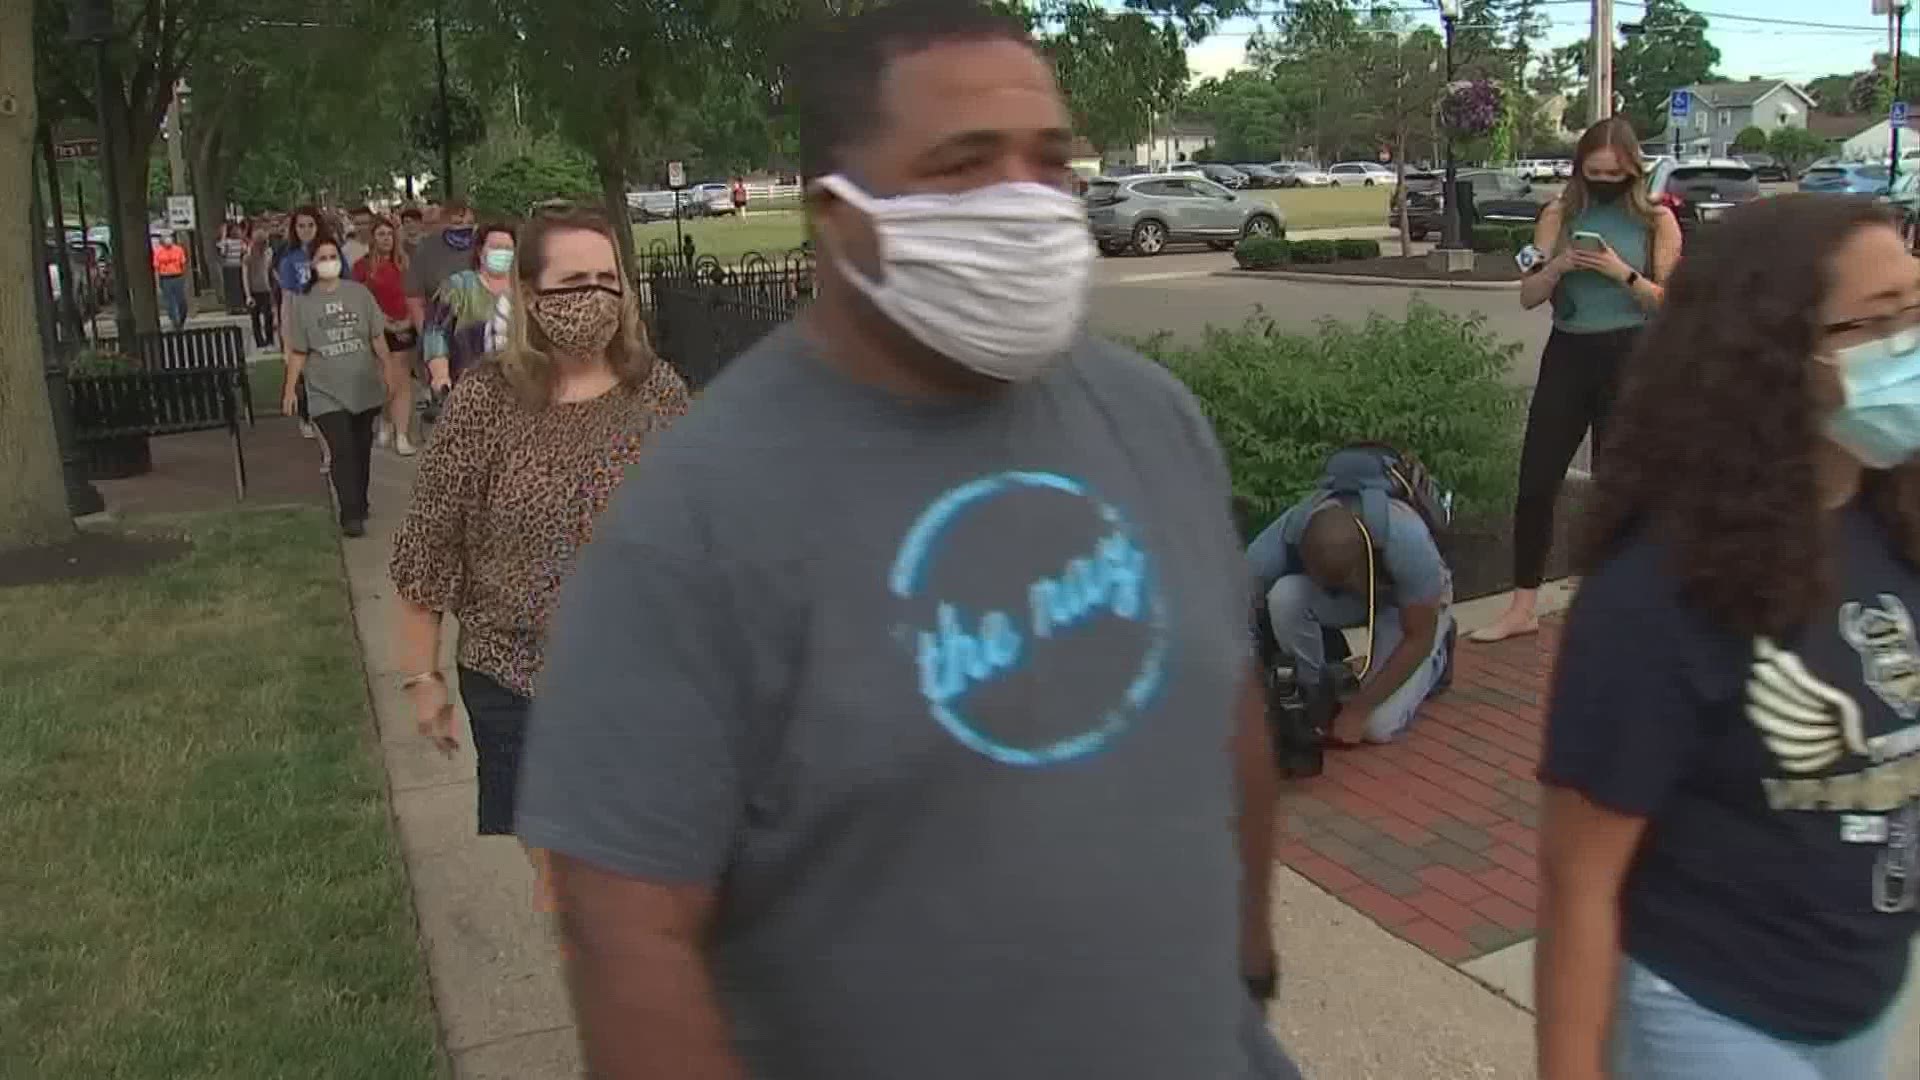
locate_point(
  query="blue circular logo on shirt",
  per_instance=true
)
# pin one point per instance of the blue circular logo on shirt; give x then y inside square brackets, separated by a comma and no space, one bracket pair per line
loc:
[1034,615]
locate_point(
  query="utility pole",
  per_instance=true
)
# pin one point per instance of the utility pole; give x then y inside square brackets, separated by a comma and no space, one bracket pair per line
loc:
[1600,83]
[1450,208]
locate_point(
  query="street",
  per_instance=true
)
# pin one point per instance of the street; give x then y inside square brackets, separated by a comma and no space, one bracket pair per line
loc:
[1182,294]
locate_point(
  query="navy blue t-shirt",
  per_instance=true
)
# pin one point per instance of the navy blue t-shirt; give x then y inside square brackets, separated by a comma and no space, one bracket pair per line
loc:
[1778,881]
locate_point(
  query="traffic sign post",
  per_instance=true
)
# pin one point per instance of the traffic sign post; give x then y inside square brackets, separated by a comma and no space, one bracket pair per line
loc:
[1678,108]
[677,179]
[180,212]
[76,149]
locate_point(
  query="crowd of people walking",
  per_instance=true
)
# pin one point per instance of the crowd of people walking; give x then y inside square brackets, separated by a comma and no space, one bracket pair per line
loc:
[890,711]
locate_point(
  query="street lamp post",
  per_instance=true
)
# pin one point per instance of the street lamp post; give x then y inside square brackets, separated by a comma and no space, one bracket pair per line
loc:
[445,110]
[93,23]
[82,497]
[1450,223]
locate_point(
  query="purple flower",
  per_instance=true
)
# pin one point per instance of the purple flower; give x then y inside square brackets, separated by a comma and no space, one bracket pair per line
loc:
[1471,108]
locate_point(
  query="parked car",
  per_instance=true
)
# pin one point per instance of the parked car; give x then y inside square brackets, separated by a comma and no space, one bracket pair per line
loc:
[1260,176]
[1360,174]
[1823,163]
[1146,213]
[1563,169]
[1847,178]
[1300,174]
[1499,197]
[1700,192]
[1224,175]
[1766,169]
[712,199]
[644,206]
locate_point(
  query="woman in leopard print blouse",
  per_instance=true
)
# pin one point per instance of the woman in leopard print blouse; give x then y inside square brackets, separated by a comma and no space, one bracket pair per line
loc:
[528,451]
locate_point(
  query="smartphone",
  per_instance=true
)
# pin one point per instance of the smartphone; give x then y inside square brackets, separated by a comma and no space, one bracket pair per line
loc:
[1589,241]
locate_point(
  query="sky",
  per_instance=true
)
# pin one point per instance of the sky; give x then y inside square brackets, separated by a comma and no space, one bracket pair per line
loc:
[1749,44]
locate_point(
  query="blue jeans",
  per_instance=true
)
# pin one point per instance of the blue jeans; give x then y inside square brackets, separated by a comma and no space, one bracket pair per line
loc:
[1299,610]
[173,296]
[1660,1033]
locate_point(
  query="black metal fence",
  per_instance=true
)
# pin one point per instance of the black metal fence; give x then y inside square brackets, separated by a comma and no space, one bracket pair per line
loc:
[702,313]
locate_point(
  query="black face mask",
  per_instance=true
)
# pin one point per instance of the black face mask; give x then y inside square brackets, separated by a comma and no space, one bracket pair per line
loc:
[1606,191]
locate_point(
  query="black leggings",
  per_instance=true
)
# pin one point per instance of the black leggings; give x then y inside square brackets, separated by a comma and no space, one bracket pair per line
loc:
[1579,375]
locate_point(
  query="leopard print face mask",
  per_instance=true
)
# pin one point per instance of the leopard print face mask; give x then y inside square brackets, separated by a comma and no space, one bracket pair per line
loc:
[580,320]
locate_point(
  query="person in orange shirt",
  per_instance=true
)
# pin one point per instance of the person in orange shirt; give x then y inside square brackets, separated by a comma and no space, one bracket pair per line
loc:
[170,268]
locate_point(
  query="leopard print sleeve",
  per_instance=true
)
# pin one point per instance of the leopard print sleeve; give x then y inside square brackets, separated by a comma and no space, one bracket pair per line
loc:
[429,562]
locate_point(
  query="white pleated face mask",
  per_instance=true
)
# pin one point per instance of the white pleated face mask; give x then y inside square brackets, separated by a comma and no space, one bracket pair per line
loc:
[994,279]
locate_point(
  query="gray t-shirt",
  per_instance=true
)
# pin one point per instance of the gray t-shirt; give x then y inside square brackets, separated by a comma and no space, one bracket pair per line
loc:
[433,262]
[335,329]
[938,697]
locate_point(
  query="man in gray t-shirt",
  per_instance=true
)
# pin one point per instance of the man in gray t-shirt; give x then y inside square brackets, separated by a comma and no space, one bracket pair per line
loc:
[896,722]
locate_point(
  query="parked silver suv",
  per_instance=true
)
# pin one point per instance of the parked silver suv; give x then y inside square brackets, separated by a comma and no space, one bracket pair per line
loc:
[1146,213]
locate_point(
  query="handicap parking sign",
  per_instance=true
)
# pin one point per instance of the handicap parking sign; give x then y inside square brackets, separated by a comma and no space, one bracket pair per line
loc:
[1678,108]
[1898,114]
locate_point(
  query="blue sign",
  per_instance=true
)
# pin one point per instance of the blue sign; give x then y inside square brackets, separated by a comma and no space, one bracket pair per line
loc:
[1677,108]
[1898,114]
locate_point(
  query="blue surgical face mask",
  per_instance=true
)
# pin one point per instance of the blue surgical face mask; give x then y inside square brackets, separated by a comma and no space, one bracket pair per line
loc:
[499,260]
[1880,422]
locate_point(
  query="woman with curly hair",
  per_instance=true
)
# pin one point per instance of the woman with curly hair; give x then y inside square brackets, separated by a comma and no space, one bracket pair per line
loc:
[1601,251]
[530,447]
[1730,843]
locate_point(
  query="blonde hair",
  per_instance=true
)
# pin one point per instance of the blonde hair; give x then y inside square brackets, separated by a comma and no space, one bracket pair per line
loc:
[528,369]
[1615,134]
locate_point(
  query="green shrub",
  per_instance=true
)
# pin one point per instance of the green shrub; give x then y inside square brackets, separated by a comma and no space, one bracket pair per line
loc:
[1519,236]
[1261,252]
[1488,238]
[512,187]
[1432,383]
[1356,249]
[1314,251]
[91,363]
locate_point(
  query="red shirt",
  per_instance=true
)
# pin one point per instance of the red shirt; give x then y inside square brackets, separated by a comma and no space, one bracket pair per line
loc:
[386,282]
[169,260]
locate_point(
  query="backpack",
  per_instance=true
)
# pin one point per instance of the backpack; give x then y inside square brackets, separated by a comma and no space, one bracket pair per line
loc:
[1368,476]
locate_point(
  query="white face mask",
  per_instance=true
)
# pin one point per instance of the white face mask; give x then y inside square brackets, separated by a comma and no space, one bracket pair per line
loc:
[994,279]
[327,269]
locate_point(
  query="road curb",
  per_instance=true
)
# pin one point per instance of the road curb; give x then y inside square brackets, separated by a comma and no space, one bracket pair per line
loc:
[1364,279]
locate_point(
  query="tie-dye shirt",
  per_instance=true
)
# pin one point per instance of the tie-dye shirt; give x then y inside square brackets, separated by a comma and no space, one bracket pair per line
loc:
[466,322]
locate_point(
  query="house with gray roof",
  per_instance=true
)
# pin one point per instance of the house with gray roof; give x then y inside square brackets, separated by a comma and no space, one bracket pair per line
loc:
[1719,112]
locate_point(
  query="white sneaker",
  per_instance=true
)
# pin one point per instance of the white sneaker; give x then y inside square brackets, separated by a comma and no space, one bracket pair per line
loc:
[382,435]
[403,445]
[307,431]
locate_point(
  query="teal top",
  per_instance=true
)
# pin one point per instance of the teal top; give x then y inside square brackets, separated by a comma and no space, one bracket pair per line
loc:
[1589,303]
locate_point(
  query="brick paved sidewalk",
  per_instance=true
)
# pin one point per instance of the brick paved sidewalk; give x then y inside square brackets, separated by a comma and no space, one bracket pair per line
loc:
[1433,837]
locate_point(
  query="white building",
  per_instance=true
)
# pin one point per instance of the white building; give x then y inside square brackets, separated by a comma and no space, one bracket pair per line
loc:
[1876,142]
[1168,144]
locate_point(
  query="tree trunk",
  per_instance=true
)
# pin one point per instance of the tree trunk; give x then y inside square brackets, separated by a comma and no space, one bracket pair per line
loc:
[33,496]
[209,171]
[609,164]
[136,150]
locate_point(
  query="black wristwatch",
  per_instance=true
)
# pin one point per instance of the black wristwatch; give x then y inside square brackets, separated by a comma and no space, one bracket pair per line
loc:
[1633,278]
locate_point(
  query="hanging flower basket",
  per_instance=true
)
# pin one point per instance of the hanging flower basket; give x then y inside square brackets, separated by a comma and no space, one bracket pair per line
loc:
[1469,110]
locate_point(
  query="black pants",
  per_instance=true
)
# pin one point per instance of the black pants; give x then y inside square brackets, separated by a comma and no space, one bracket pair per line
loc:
[350,441]
[262,319]
[233,280]
[498,717]
[1579,375]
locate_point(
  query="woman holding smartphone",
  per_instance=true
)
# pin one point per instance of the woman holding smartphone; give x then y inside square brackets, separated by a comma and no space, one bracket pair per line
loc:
[1601,253]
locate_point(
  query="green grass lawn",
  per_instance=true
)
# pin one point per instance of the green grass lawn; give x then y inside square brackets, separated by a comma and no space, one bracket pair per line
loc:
[772,233]
[1329,208]
[200,878]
